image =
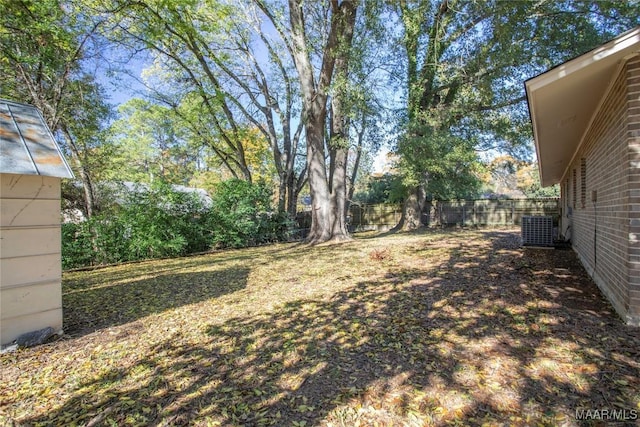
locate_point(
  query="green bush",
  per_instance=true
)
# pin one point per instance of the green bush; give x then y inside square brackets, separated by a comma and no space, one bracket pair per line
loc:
[387,188]
[162,222]
[77,250]
[154,223]
[241,215]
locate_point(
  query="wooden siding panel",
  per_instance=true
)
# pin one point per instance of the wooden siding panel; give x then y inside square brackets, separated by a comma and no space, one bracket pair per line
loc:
[28,242]
[30,261]
[29,187]
[29,213]
[25,300]
[29,270]
[11,329]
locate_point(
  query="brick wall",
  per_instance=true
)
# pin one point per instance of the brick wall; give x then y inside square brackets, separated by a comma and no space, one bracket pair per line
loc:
[605,232]
[633,162]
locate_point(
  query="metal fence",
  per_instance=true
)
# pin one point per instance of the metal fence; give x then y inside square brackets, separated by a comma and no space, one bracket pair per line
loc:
[462,213]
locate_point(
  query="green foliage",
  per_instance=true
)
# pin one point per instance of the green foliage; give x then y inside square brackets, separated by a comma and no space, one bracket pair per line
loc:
[537,191]
[37,41]
[447,166]
[242,215]
[464,63]
[528,181]
[163,222]
[387,188]
[77,249]
[159,222]
[151,143]
[48,51]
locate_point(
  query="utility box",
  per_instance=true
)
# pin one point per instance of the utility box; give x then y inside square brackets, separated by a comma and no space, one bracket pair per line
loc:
[537,231]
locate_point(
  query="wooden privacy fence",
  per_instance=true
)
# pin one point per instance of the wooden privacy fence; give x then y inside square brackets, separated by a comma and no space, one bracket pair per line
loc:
[373,217]
[463,213]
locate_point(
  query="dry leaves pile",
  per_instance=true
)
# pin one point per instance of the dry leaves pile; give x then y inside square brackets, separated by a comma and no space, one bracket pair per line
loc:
[430,328]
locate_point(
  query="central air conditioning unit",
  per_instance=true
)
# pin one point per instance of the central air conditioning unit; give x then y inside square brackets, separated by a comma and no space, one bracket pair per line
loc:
[537,231]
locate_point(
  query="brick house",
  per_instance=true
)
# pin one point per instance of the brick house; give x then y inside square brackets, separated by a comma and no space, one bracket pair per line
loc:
[586,122]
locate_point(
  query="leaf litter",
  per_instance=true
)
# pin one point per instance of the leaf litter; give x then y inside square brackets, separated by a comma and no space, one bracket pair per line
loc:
[409,329]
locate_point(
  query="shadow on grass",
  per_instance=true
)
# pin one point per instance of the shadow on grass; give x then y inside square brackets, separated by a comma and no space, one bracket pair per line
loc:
[494,334]
[123,298]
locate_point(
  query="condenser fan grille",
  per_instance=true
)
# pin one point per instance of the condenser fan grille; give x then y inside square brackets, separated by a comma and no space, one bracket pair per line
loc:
[537,231]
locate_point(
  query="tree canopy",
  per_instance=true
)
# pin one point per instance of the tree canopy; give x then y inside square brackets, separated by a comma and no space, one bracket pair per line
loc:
[463,66]
[292,93]
[45,51]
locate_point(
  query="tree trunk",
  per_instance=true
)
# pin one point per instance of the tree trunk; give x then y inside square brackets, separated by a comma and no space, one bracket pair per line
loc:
[339,150]
[328,193]
[292,196]
[282,194]
[288,194]
[354,172]
[87,185]
[321,210]
[412,209]
[339,229]
[85,177]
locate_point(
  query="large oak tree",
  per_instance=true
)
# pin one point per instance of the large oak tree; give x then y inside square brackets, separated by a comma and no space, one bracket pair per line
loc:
[464,62]
[326,154]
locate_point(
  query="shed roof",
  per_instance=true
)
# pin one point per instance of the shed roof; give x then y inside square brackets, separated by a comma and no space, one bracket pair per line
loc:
[564,100]
[27,145]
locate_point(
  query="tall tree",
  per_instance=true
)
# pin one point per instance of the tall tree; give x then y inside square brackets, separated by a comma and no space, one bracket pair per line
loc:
[464,63]
[365,94]
[331,49]
[42,48]
[151,143]
[222,73]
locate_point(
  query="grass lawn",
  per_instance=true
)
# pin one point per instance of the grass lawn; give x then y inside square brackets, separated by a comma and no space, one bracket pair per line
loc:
[430,328]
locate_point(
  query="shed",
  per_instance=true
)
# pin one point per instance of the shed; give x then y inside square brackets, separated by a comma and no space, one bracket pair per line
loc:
[31,167]
[586,125]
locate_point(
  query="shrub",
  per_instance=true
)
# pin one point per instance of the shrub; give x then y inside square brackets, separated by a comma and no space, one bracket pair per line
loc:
[162,222]
[153,223]
[76,245]
[241,215]
[387,188]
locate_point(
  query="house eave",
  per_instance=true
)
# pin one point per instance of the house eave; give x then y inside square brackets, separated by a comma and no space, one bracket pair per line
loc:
[563,101]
